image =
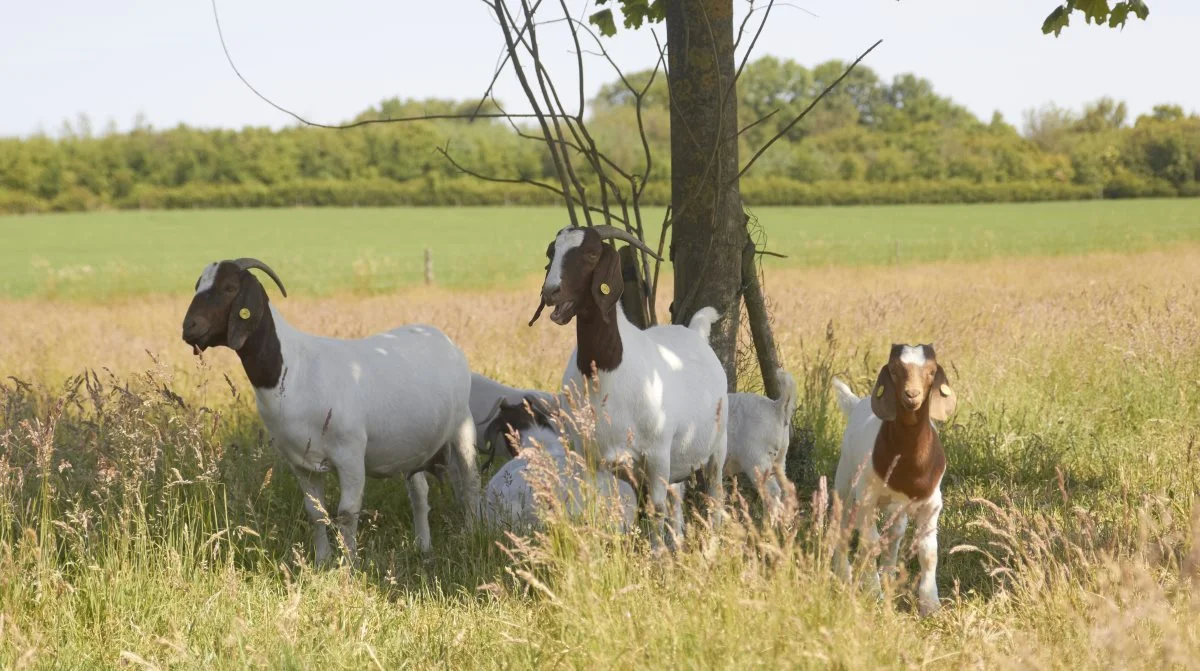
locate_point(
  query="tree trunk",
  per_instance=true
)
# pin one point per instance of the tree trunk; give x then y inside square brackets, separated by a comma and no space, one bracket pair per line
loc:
[760,323]
[708,229]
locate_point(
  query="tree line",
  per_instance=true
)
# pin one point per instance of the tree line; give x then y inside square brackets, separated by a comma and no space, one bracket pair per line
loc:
[869,141]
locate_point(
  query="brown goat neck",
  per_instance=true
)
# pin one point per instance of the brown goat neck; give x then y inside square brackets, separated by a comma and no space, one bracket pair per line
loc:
[261,356]
[598,339]
[909,457]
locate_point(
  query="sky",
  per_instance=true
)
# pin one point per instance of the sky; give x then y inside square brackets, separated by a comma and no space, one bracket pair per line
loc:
[116,60]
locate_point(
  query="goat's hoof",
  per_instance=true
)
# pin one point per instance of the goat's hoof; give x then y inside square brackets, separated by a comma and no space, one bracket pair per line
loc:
[927,609]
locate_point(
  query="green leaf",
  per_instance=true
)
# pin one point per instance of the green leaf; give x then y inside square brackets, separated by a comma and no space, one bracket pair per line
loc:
[603,20]
[1060,18]
[1119,15]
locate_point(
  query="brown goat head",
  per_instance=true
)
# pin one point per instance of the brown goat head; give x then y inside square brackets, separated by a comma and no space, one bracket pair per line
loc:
[583,273]
[912,380]
[228,306]
[516,417]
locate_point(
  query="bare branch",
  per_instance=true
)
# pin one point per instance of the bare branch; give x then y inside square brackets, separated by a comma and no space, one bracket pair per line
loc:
[760,120]
[503,16]
[354,124]
[808,109]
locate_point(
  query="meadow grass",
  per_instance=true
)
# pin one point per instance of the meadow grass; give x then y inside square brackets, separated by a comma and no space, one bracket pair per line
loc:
[144,519]
[368,251]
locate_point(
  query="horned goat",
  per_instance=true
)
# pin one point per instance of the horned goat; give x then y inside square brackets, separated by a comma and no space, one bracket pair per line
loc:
[659,395]
[390,404]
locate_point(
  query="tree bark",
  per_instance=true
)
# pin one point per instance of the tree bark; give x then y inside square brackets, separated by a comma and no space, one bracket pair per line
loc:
[708,226]
[760,323]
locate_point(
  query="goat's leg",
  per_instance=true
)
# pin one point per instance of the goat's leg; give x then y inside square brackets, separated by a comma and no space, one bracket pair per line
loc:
[418,499]
[352,479]
[678,492]
[895,534]
[312,488]
[464,477]
[656,476]
[714,482]
[927,549]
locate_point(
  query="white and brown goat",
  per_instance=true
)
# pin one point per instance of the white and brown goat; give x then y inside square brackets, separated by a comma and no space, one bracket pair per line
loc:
[391,404]
[892,462]
[659,395]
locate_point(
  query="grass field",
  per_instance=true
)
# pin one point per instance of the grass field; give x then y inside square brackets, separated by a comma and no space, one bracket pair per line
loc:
[323,251]
[145,522]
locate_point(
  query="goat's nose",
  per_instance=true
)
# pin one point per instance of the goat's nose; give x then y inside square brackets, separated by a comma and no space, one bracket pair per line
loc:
[549,291]
[912,393]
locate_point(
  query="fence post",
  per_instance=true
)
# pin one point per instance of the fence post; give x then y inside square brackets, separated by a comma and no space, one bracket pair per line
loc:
[428,266]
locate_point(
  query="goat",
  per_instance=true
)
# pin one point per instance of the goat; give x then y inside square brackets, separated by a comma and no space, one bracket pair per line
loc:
[659,394]
[486,398]
[894,431]
[391,404]
[759,432]
[508,500]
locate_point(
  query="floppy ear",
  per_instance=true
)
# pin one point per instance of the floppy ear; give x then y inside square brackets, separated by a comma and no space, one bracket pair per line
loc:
[607,283]
[942,399]
[542,415]
[492,414]
[246,312]
[883,396]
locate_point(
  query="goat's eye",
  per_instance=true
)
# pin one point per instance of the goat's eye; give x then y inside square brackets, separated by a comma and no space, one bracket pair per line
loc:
[230,289]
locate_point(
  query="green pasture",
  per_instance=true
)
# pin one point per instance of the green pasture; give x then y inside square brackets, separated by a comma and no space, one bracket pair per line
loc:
[319,251]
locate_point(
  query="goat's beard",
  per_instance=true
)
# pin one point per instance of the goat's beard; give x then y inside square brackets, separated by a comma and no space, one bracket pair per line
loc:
[563,313]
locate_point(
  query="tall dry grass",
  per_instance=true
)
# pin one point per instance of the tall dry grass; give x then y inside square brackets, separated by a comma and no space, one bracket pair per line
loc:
[144,520]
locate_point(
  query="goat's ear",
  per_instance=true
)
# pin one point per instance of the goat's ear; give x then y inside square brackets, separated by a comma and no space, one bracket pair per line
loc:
[942,399]
[607,282]
[883,396]
[493,413]
[543,415]
[245,313]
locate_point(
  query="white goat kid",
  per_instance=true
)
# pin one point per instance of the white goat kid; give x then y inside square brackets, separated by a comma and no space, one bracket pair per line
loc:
[540,459]
[759,432]
[892,463]
[659,395]
[391,404]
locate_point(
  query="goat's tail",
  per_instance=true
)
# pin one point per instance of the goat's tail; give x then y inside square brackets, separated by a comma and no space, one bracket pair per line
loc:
[846,398]
[703,320]
[787,394]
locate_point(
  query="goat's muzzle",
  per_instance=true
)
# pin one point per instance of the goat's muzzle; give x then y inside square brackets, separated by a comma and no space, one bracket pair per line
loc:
[564,309]
[196,334]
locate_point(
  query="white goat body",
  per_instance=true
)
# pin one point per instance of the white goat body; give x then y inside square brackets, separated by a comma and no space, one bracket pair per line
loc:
[665,405]
[759,432]
[509,501]
[389,404]
[865,498]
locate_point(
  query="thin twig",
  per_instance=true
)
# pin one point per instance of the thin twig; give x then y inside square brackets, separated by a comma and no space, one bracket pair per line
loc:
[354,124]
[804,113]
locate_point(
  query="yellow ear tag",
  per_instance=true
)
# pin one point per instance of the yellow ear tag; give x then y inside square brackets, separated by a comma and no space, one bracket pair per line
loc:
[946,391]
[604,288]
[879,391]
[244,313]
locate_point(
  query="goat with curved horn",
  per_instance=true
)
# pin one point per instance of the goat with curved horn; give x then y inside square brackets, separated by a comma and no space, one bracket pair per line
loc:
[607,232]
[246,263]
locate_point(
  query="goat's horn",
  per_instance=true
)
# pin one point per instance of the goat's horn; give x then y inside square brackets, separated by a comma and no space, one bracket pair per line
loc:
[246,263]
[607,232]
